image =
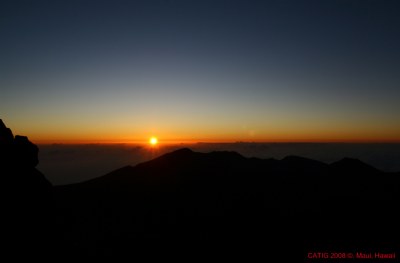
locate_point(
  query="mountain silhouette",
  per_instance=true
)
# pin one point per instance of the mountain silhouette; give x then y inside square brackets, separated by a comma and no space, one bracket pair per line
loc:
[217,204]
[353,165]
[224,202]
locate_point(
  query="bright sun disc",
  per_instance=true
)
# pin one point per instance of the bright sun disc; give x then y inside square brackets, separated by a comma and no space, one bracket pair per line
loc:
[153,141]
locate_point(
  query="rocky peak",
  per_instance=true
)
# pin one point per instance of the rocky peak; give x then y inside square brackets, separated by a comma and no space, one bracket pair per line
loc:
[27,208]
[16,151]
[6,135]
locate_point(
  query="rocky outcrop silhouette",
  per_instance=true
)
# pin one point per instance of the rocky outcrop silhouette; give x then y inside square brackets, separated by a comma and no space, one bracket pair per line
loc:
[18,159]
[6,135]
[27,197]
[16,152]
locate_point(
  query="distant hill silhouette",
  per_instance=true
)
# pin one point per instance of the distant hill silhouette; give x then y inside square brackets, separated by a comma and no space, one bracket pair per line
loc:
[221,201]
[217,205]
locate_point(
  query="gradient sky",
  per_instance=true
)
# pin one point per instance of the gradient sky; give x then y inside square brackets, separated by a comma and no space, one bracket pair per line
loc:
[201,70]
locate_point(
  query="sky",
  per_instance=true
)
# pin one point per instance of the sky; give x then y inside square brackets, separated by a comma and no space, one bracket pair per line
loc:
[219,71]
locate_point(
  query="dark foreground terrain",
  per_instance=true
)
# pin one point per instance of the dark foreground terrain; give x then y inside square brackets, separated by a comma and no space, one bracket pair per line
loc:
[212,206]
[223,202]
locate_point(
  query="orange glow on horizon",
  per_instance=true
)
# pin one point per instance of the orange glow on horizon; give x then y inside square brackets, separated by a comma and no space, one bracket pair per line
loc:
[153,142]
[185,132]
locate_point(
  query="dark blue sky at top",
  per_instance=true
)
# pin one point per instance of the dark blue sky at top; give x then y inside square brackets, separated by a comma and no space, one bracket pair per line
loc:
[347,48]
[325,27]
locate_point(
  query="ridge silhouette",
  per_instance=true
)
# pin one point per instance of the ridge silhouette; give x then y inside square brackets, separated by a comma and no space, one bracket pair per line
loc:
[223,201]
[217,204]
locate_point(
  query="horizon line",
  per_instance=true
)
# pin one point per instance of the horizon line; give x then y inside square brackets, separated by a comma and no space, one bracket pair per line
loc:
[177,142]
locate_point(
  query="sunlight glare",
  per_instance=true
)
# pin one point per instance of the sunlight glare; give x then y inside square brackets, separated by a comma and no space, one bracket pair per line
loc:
[153,141]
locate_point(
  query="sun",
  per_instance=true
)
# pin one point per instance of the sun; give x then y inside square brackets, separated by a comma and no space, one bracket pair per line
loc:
[153,141]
